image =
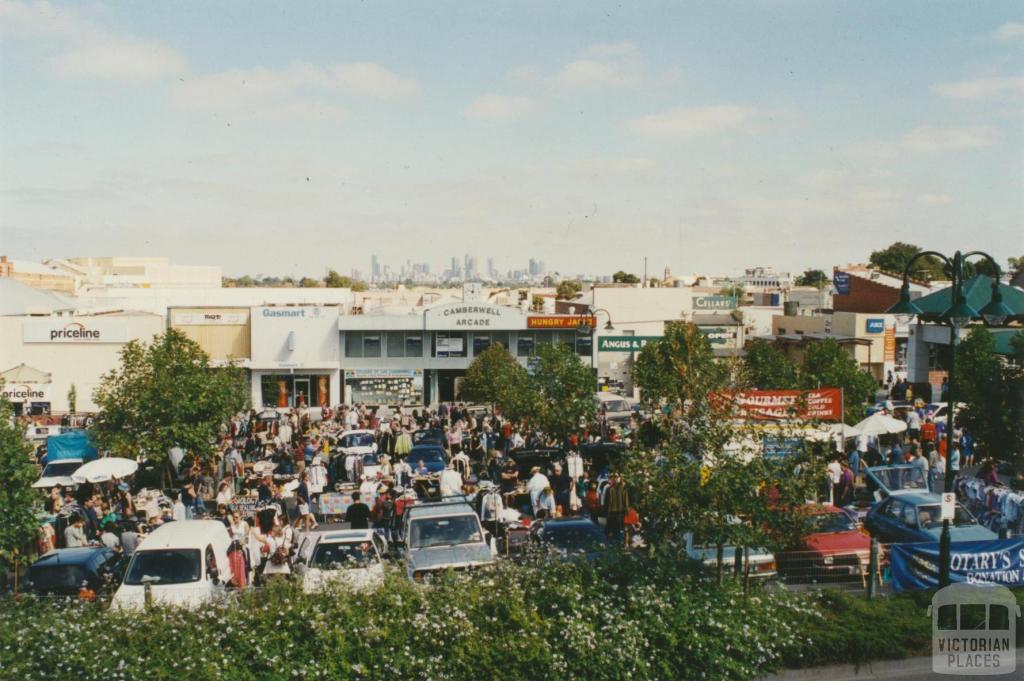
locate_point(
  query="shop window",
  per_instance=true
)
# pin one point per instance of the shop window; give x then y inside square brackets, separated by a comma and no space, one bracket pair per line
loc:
[413,345]
[449,344]
[584,345]
[481,341]
[371,344]
[545,337]
[396,344]
[353,343]
[293,390]
[525,344]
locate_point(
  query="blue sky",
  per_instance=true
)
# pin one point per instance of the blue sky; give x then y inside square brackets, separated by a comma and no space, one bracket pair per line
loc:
[292,137]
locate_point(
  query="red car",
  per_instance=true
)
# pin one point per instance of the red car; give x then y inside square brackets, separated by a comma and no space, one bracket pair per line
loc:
[836,549]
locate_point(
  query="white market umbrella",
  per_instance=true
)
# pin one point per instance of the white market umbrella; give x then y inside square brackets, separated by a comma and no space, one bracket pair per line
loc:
[826,433]
[105,469]
[881,424]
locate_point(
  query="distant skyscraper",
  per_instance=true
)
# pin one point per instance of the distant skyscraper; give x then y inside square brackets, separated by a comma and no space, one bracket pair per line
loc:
[375,271]
[542,268]
[491,273]
[471,268]
[534,268]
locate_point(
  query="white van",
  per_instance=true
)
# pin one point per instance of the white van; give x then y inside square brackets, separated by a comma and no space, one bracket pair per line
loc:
[617,408]
[185,563]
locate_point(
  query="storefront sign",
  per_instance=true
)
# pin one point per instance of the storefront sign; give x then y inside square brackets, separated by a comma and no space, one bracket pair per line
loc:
[890,344]
[1000,561]
[210,318]
[624,343]
[874,325]
[773,447]
[715,302]
[385,386]
[561,321]
[825,404]
[719,335]
[382,373]
[458,316]
[25,392]
[87,331]
[841,283]
[308,312]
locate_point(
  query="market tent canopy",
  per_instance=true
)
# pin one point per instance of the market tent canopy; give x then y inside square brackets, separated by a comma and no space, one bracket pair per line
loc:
[71,445]
[881,424]
[978,293]
[23,373]
[104,469]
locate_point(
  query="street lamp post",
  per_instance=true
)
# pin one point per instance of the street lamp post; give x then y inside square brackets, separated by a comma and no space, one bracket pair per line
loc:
[585,328]
[959,315]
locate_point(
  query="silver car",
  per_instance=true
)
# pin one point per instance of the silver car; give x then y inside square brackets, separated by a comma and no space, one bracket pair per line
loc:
[445,535]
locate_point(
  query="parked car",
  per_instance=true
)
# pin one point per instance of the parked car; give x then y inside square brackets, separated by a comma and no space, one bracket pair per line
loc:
[601,455]
[884,481]
[835,548]
[616,408]
[543,457]
[357,442]
[445,535]
[184,562]
[430,436]
[58,473]
[84,572]
[939,411]
[570,538]
[352,558]
[433,456]
[759,561]
[897,409]
[916,518]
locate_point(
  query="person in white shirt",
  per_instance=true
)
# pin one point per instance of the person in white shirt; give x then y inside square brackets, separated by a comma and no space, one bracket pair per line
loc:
[109,539]
[224,493]
[368,490]
[491,506]
[451,481]
[835,474]
[74,534]
[317,476]
[537,483]
[574,465]
[461,463]
[180,512]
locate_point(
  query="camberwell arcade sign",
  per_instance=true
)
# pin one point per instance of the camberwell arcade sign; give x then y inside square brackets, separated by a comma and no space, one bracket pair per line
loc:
[468,316]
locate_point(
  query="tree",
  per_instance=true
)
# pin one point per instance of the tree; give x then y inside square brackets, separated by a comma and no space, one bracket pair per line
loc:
[335,280]
[826,363]
[18,501]
[309,282]
[359,286]
[495,377]
[73,399]
[815,278]
[992,392]
[735,291]
[567,289]
[537,303]
[768,368]
[1015,266]
[165,394]
[621,277]
[894,259]
[563,390]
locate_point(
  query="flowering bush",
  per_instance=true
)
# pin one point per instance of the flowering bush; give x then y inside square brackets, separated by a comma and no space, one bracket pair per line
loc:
[627,619]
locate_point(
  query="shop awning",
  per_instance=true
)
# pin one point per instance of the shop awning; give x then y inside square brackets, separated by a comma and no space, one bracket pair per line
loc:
[978,292]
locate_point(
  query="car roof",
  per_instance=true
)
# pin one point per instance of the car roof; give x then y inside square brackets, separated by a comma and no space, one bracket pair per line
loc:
[75,556]
[345,536]
[360,431]
[558,523]
[184,534]
[440,509]
[427,447]
[921,498]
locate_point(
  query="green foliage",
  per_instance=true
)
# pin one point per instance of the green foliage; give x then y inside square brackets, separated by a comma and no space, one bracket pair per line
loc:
[815,278]
[1015,265]
[768,368]
[563,389]
[567,289]
[993,394]
[335,280]
[165,394]
[73,399]
[18,501]
[537,303]
[894,259]
[735,291]
[495,377]
[309,282]
[826,363]
[621,277]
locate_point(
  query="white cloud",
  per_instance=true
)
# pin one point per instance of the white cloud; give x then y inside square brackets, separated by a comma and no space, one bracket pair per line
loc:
[1011,30]
[930,139]
[119,59]
[684,122]
[935,199]
[600,66]
[493,107]
[39,19]
[982,88]
[372,79]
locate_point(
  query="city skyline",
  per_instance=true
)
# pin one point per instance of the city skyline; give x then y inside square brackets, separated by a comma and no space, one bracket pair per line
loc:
[589,133]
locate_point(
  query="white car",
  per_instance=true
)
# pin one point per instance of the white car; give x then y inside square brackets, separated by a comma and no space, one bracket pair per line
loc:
[363,444]
[184,563]
[761,561]
[58,473]
[350,558]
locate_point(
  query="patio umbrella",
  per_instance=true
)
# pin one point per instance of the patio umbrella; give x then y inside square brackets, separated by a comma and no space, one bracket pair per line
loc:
[881,424]
[105,469]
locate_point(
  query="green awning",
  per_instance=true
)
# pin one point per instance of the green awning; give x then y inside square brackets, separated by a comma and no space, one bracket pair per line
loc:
[978,292]
[1003,337]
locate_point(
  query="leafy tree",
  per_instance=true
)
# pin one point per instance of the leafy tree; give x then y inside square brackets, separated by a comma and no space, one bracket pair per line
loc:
[768,368]
[18,501]
[621,277]
[165,394]
[335,280]
[895,258]
[537,303]
[736,291]
[992,392]
[563,389]
[495,377]
[73,399]
[826,363]
[309,282]
[567,289]
[1015,266]
[359,286]
[815,278]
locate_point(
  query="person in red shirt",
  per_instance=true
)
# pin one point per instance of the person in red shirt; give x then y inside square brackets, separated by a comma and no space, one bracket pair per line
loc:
[928,431]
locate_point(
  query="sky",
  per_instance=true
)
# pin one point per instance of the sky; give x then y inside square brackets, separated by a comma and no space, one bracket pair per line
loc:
[292,137]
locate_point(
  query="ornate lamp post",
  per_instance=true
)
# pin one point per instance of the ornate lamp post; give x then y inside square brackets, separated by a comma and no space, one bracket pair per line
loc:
[958,316]
[584,328]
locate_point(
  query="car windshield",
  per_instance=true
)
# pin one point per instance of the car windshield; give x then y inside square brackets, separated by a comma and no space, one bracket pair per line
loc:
[344,556]
[164,566]
[449,530]
[370,460]
[56,576]
[615,405]
[574,538]
[427,436]
[425,457]
[357,440]
[930,517]
[61,469]
[831,522]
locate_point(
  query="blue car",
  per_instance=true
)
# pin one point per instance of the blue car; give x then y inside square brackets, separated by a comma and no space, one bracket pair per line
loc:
[433,456]
[78,571]
[914,517]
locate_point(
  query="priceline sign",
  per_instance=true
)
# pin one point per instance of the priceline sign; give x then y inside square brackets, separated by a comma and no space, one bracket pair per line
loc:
[65,331]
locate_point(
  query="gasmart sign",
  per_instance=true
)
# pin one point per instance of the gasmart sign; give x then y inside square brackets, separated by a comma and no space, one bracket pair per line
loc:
[78,331]
[624,343]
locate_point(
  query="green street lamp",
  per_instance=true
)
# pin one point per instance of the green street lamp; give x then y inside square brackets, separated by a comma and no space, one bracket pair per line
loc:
[958,315]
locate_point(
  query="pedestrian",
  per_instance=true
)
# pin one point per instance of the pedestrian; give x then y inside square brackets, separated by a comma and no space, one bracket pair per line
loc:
[835,473]
[563,485]
[536,484]
[305,509]
[357,515]
[617,504]
[74,534]
[451,481]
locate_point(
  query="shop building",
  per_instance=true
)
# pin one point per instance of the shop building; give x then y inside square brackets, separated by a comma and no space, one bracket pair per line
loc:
[295,356]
